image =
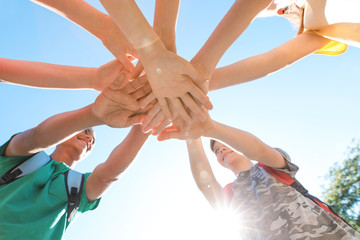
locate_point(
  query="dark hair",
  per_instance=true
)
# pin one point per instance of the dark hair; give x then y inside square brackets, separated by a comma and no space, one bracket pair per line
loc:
[212,142]
[91,130]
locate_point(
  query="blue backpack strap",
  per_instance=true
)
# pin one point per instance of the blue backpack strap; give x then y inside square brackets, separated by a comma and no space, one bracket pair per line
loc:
[28,166]
[74,186]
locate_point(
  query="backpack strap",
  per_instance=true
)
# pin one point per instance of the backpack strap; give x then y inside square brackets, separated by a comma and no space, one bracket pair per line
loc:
[28,166]
[74,187]
[294,183]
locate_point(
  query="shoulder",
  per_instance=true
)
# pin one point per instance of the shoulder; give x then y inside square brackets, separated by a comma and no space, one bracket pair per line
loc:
[85,204]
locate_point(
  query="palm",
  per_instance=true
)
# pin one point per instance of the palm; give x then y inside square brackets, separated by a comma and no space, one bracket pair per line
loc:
[111,113]
[118,118]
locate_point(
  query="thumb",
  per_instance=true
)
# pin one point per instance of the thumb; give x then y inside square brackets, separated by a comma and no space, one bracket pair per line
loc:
[169,133]
[126,62]
[194,74]
[144,102]
[137,70]
[136,119]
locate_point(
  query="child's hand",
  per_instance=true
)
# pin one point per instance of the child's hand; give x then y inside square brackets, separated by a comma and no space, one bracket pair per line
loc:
[107,73]
[172,80]
[117,105]
[185,130]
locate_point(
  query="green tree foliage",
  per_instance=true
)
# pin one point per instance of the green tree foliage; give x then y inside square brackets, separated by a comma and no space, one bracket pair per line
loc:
[343,193]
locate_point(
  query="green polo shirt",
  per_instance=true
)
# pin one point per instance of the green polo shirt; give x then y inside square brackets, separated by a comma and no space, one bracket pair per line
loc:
[34,206]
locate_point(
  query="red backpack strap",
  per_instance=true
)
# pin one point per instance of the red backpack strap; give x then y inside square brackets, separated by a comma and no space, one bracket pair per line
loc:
[281,176]
[229,193]
[285,178]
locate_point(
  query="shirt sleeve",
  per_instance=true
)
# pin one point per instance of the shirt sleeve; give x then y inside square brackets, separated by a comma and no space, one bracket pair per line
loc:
[85,205]
[7,163]
[292,169]
[333,48]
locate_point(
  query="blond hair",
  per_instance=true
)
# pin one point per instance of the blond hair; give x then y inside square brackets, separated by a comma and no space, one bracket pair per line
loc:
[295,14]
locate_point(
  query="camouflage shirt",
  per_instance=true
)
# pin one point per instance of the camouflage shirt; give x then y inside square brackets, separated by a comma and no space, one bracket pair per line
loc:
[269,209]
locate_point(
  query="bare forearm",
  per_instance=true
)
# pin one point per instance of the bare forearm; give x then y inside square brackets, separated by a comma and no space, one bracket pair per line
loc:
[266,63]
[246,143]
[45,75]
[79,12]
[229,29]
[119,160]
[199,164]
[121,157]
[52,131]
[202,173]
[133,24]
[165,19]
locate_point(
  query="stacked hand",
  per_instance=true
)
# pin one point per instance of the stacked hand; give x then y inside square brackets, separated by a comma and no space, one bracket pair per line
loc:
[187,130]
[173,81]
[117,104]
[176,93]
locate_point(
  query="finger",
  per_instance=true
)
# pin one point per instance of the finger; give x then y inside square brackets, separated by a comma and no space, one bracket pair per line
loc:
[126,62]
[197,94]
[142,91]
[134,53]
[119,81]
[156,121]
[179,109]
[137,70]
[131,58]
[147,100]
[135,84]
[165,107]
[194,107]
[169,133]
[151,114]
[194,74]
[158,129]
[135,119]
[148,107]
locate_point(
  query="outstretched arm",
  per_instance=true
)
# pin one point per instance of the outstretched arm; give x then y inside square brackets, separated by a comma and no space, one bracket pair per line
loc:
[119,160]
[237,19]
[111,107]
[52,131]
[203,175]
[95,22]
[252,147]
[46,75]
[263,64]
[244,142]
[165,18]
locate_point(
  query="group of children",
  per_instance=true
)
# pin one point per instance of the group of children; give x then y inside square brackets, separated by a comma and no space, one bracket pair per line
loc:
[166,94]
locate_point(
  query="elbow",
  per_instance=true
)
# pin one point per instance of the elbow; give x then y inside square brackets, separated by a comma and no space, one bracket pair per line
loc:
[104,175]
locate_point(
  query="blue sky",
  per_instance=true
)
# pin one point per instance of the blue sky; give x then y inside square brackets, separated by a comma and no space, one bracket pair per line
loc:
[309,109]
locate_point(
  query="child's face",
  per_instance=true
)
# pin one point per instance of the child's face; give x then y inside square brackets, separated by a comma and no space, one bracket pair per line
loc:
[80,145]
[225,155]
[231,159]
